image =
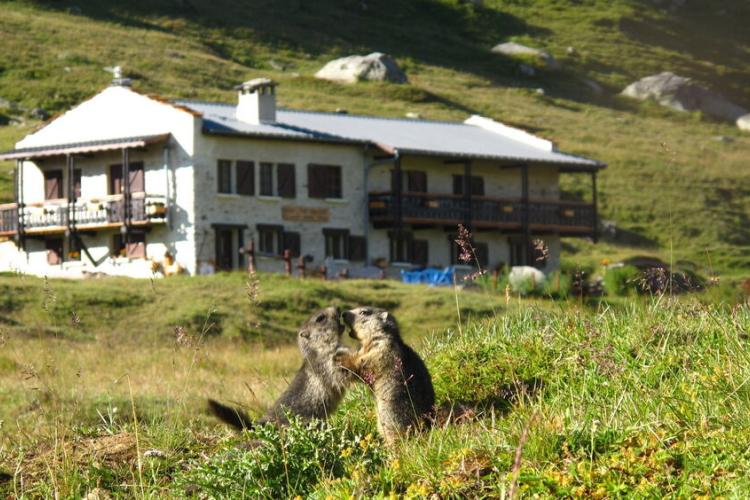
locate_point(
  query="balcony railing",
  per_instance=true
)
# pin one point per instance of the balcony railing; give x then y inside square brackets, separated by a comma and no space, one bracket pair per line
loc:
[93,214]
[445,209]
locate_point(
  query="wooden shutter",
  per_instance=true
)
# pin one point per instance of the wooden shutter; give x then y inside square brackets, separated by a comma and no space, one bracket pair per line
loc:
[416,181]
[224,176]
[286,180]
[292,242]
[115,179]
[54,251]
[420,252]
[136,246]
[357,248]
[77,183]
[53,185]
[245,177]
[266,179]
[477,186]
[135,178]
[458,184]
[315,182]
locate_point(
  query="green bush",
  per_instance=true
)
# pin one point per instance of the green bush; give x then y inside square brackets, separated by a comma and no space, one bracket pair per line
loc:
[622,280]
[282,462]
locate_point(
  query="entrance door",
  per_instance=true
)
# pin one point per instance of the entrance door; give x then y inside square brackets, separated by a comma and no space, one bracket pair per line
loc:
[228,243]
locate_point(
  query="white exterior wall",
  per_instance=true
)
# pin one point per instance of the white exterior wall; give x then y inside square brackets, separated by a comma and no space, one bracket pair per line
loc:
[117,112]
[232,209]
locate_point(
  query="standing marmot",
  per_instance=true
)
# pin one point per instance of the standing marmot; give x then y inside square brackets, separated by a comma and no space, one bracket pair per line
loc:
[318,386]
[397,375]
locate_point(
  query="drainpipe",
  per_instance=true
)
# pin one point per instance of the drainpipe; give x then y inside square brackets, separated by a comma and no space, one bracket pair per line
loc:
[368,165]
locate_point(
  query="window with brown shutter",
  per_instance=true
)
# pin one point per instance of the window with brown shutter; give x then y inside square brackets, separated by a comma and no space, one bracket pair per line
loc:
[115,179]
[401,246]
[477,185]
[420,252]
[53,184]
[133,248]
[286,180]
[292,242]
[416,181]
[336,243]
[136,180]
[357,248]
[77,183]
[224,176]
[324,181]
[54,251]
[245,171]
[266,179]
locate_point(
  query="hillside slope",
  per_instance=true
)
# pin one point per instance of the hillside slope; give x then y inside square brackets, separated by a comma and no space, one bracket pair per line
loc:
[671,187]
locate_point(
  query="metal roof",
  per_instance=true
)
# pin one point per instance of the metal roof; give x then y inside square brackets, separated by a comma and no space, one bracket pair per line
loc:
[83,147]
[408,136]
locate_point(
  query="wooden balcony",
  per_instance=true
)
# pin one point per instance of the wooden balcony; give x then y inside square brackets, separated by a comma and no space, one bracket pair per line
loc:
[567,218]
[87,215]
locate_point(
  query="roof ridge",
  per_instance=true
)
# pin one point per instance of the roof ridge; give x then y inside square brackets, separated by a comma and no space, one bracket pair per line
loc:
[333,113]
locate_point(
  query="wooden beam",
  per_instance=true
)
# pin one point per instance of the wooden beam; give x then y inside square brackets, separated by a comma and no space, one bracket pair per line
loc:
[467,194]
[525,215]
[397,193]
[595,229]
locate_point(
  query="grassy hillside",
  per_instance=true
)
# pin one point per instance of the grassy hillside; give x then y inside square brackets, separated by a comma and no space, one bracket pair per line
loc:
[641,398]
[671,186]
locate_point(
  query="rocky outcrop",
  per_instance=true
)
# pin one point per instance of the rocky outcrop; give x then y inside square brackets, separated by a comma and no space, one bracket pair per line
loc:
[683,94]
[513,49]
[743,122]
[352,69]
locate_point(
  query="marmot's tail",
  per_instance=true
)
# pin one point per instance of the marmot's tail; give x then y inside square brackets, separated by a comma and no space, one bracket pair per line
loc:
[232,416]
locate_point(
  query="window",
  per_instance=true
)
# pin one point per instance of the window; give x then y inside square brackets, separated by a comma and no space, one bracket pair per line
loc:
[401,246]
[225,249]
[74,249]
[292,243]
[481,254]
[270,239]
[53,185]
[132,248]
[412,181]
[420,253]
[357,248]
[337,243]
[266,179]
[286,180]
[324,181]
[477,185]
[77,183]
[54,250]
[245,171]
[224,176]
[135,176]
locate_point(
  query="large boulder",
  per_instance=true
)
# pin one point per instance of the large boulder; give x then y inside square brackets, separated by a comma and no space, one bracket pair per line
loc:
[376,66]
[681,93]
[513,49]
[743,122]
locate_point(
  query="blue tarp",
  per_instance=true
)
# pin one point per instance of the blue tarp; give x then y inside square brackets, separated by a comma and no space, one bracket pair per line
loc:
[429,276]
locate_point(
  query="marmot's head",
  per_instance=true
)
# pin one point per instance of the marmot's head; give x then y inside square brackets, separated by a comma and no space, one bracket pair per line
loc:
[321,332]
[369,323]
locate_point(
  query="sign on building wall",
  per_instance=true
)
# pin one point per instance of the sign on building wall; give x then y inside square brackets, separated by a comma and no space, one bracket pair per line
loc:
[296,213]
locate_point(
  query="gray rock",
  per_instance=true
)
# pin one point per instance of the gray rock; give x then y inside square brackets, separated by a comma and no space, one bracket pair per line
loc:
[513,49]
[39,114]
[743,122]
[723,138]
[352,69]
[527,70]
[683,94]
[593,86]
[413,115]
[8,105]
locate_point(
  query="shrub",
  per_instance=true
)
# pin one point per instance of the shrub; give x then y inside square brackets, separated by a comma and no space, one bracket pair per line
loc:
[621,280]
[283,462]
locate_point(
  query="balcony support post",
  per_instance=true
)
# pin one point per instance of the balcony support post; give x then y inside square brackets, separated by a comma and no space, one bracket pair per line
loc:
[125,188]
[467,194]
[397,194]
[595,229]
[19,205]
[71,200]
[525,215]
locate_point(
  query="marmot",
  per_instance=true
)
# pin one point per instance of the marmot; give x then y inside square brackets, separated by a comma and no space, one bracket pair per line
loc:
[397,375]
[318,386]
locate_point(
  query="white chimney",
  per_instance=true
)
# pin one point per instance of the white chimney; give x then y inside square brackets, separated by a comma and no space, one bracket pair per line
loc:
[257,101]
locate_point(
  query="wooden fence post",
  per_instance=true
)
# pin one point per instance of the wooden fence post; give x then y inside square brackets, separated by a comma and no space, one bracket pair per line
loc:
[287,262]
[301,266]
[250,251]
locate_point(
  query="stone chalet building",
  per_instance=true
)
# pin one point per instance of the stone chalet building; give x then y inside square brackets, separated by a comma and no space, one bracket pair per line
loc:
[123,178]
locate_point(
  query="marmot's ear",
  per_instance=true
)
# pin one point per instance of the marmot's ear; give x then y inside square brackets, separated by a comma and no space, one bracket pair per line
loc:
[304,334]
[384,316]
